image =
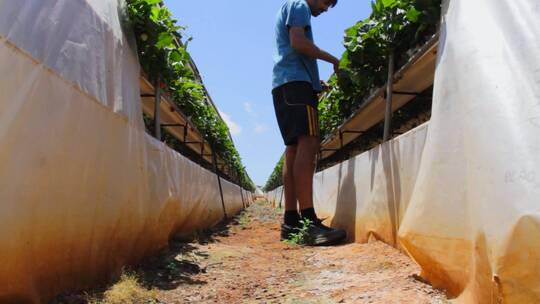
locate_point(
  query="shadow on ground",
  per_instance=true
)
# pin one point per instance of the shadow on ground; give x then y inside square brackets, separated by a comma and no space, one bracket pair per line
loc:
[180,262]
[174,266]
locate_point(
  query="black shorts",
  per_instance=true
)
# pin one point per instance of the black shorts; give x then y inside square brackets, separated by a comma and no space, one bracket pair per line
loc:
[295,104]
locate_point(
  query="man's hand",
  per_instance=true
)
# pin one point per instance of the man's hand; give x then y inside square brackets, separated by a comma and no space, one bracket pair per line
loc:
[303,45]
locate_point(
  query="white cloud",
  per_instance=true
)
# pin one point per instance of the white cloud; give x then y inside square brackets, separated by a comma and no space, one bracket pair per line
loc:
[247,107]
[260,128]
[233,126]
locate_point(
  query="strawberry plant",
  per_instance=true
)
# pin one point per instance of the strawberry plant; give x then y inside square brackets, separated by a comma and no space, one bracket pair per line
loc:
[394,27]
[162,55]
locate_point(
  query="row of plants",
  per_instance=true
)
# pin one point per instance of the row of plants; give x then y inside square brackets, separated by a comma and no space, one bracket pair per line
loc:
[275,179]
[164,58]
[397,27]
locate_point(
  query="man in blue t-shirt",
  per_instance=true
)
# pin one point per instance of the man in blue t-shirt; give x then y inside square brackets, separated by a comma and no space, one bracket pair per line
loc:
[296,85]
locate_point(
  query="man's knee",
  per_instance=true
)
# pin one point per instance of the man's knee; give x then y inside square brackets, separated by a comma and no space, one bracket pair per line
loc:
[308,147]
[290,152]
[309,144]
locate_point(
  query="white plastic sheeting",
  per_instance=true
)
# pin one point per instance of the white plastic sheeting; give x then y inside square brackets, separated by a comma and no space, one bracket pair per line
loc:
[276,197]
[460,196]
[82,42]
[84,190]
[369,194]
[474,219]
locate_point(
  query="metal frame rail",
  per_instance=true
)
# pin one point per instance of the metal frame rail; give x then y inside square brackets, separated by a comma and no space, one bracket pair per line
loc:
[175,122]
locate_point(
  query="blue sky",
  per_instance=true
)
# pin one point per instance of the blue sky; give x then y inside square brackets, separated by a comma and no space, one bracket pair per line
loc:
[233,48]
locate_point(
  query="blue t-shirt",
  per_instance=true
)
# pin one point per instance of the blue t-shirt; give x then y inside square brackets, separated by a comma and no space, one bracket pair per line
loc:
[289,65]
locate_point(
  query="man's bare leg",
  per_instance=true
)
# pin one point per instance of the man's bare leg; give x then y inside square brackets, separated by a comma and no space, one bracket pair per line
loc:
[304,168]
[288,179]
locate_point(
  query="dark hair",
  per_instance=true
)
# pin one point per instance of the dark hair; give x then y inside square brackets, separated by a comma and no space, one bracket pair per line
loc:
[334,3]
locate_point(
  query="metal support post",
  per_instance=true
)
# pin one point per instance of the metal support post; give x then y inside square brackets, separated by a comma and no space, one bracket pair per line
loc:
[185,132]
[389,91]
[214,161]
[157,112]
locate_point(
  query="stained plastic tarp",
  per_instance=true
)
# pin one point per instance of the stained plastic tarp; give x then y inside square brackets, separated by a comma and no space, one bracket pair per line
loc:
[84,190]
[368,194]
[474,219]
[460,194]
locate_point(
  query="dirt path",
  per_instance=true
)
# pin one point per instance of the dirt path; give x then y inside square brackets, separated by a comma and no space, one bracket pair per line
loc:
[244,262]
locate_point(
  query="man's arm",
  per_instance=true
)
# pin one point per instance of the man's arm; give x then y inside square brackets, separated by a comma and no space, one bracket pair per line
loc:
[303,45]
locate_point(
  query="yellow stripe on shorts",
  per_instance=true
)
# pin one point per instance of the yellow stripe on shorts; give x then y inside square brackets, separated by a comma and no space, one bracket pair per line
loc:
[309,121]
[314,121]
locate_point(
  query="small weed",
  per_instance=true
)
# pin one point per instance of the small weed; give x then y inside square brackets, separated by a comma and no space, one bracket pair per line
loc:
[244,221]
[172,267]
[278,211]
[127,290]
[300,237]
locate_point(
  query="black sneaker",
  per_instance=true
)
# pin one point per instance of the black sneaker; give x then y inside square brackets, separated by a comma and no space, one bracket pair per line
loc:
[320,224]
[319,236]
[287,231]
